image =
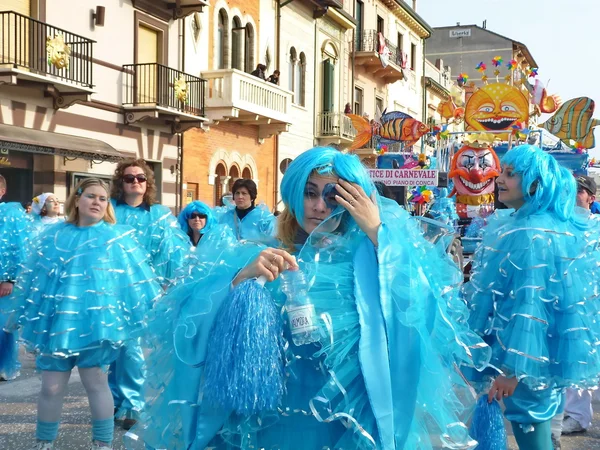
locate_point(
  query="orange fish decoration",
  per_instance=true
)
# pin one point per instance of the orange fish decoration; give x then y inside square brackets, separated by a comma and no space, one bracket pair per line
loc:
[449,111]
[574,121]
[394,127]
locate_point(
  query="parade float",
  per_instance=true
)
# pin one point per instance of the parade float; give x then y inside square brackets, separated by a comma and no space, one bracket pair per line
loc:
[454,183]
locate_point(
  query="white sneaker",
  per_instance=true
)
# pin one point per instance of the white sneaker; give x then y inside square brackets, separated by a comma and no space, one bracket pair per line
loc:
[44,445]
[570,425]
[97,446]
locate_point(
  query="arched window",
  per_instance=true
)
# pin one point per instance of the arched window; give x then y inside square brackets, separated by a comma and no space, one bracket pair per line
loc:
[247,173]
[291,68]
[220,174]
[234,174]
[300,88]
[249,49]
[237,44]
[222,49]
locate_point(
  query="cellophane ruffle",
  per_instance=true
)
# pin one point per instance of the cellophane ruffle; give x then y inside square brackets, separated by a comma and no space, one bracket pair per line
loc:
[534,292]
[259,225]
[15,239]
[83,287]
[158,231]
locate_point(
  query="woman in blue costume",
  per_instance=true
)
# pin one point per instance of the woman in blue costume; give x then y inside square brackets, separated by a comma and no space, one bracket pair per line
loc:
[531,294]
[385,372]
[15,234]
[248,221]
[84,292]
[134,199]
[45,210]
[196,219]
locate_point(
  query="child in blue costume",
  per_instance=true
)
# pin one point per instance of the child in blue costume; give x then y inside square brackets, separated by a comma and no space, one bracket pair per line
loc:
[196,219]
[385,373]
[15,233]
[45,210]
[134,200]
[532,296]
[248,221]
[83,293]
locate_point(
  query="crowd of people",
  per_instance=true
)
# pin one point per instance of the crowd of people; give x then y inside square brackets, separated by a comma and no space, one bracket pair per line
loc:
[334,325]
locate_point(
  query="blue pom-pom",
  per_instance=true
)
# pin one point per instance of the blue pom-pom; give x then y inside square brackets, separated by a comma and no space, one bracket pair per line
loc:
[487,427]
[244,361]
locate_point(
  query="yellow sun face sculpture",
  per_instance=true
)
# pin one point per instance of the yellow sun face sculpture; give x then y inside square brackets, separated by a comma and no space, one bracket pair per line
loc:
[496,107]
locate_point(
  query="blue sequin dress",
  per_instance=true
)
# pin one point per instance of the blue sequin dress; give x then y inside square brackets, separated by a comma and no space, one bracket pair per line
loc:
[158,231]
[83,289]
[385,374]
[533,296]
[15,234]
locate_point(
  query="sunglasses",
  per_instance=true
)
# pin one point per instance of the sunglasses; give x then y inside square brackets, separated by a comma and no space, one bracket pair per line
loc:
[328,194]
[197,216]
[131,178]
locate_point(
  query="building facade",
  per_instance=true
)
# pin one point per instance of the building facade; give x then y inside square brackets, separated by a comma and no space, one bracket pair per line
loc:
[85,84]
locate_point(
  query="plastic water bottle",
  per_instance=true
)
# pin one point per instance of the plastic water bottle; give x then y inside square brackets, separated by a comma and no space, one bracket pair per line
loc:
[302,318]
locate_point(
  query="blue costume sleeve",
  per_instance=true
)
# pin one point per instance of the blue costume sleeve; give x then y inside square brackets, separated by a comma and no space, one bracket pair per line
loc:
[531,293]
[15,234]
[159,233]
[82,287]
[178,332]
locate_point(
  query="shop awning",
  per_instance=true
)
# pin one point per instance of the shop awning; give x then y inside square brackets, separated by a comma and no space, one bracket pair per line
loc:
[13,138]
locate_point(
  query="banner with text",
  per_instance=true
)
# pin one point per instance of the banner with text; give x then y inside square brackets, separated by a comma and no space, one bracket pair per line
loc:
[405,177]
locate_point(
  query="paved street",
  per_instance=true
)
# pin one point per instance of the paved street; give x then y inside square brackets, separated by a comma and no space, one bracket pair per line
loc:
[18,417]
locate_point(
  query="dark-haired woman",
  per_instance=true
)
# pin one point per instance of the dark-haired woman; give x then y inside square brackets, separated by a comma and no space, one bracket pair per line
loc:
[247,220]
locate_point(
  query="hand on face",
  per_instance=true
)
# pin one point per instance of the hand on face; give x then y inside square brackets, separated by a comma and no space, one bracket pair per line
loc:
[363,209]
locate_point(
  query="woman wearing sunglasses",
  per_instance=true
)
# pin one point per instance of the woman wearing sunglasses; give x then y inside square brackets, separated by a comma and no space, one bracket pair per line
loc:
[134,199]
[196,219]
[383,372]
[84,293]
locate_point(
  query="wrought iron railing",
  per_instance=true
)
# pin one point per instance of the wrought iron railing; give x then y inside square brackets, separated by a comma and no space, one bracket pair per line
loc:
[367,41]
[335,124]
[152,84]
[44,49]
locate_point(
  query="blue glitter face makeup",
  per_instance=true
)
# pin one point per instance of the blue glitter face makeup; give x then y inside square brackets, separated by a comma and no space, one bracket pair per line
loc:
[328,194]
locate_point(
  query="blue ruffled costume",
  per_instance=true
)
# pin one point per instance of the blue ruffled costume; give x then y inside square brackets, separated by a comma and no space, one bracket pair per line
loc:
[384,376]
[15,233]
[84,293]
[157,231]
[532,296]
[258,225]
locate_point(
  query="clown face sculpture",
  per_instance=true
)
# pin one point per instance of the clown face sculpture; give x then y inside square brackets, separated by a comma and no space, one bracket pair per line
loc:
[496,107]
[473,171]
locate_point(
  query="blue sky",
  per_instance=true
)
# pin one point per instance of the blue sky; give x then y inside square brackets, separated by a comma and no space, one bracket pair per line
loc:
[562,36]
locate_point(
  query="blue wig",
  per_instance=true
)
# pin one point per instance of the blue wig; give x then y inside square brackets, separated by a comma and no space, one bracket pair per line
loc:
[201,208]
[547,186]
[325,161]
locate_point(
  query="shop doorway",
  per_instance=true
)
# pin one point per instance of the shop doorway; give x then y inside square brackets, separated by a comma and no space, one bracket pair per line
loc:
[19,184]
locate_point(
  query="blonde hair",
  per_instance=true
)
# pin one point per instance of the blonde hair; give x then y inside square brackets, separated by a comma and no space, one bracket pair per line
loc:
[287,228]
[71,205]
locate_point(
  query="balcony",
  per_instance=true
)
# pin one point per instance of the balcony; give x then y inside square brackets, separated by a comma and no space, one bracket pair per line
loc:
[154,91]
[236,96]
[367,55]
[334,128]
[35,52]
[170,9]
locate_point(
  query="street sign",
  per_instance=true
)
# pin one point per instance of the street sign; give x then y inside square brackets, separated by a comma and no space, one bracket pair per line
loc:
[460,33]
[405,177]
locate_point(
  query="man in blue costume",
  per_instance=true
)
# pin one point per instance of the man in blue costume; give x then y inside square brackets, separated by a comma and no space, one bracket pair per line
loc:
[133,195]
[15,230]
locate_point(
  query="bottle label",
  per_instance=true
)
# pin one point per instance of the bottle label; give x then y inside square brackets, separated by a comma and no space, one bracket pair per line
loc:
[301,319]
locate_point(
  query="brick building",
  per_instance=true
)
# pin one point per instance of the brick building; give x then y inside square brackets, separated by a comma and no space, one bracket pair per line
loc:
[246,113]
